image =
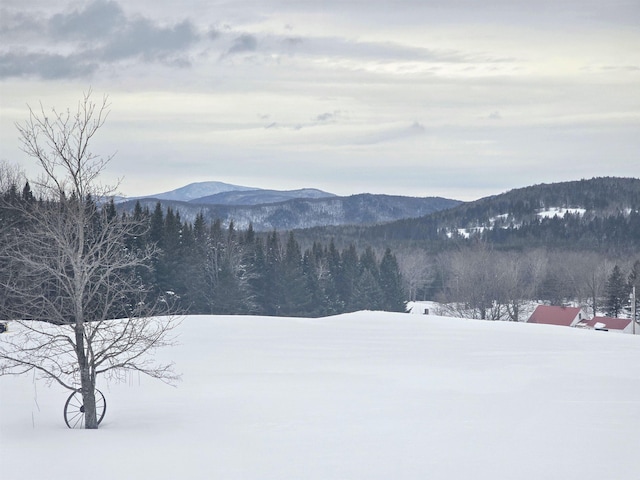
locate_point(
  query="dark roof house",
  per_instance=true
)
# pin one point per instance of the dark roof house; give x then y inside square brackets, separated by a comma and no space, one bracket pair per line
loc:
[554,315]
[622,325]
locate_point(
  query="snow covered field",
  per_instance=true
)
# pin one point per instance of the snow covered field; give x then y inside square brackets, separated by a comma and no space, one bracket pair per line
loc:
[367,395]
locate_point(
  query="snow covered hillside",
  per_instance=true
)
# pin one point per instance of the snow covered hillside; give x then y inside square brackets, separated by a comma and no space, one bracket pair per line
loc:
[368,395]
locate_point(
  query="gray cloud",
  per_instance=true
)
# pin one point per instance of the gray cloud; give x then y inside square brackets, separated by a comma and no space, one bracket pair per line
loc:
[44,65]
[100,34]
[142,38]
[328,117]
[293,41]
[382,51]
[625,68]
[96,20]
[324,117]
[244,43]
[18,24]
[390,134]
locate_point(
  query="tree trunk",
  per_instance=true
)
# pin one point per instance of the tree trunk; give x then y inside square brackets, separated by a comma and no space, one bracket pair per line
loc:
[87,381]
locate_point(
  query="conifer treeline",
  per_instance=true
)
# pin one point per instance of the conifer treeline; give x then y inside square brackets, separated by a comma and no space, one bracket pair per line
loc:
[211,269]
[220,270]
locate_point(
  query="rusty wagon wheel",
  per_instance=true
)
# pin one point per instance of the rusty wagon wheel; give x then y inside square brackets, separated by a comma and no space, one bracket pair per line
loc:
[74,409]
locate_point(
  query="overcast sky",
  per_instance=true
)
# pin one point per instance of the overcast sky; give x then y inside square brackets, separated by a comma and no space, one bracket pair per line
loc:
[456,98]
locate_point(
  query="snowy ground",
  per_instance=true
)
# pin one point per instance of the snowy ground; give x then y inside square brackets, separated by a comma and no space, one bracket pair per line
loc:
[358,396]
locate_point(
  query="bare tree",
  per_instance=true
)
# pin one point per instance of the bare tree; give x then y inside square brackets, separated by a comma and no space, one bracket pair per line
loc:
[475,282]
[592,271]
[488,284]
[521,273]
[78,305]
[417,271]
[10,176]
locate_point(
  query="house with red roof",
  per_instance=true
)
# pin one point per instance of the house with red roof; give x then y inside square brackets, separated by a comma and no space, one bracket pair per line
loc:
[555,315]
[621,325]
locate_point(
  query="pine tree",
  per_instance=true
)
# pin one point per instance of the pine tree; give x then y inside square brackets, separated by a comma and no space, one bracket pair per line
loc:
[334,285]
[27,195]
[391,284]
[295,295]
[634,281]
[617,293]
[311,272]
[169,261]
[348,277]
[271,294]
[110,210]
[257,279]
[367,292]
[156,226]
[235,295]
[195,255]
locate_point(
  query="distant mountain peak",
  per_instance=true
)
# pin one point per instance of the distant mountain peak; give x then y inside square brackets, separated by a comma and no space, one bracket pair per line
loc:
[227,194]
[260,197]
[198,190]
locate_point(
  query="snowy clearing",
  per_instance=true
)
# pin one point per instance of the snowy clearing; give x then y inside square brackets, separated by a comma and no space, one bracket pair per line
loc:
[560,212]
[368,395]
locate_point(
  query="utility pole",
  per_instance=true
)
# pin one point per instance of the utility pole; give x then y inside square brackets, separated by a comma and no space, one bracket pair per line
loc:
[633,309]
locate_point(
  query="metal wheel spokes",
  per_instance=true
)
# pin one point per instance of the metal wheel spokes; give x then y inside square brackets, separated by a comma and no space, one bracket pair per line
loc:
[74,409]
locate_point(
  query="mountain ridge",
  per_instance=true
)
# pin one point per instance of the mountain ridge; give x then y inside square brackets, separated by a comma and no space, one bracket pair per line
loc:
[599,213]
[260,196]
[297,213]
[210,191]
[596,213]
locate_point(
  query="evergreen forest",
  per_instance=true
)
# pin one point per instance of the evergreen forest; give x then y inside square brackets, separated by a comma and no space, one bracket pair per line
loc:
[210,269]
[202,267]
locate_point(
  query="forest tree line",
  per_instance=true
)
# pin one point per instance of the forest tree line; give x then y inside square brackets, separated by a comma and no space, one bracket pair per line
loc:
[216,269]
[489,283]
[210,269]
[597,215]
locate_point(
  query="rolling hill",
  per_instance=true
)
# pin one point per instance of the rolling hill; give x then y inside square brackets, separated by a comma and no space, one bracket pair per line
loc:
[596,214]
